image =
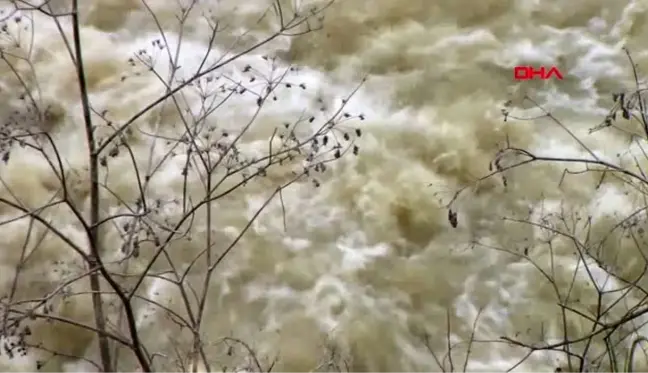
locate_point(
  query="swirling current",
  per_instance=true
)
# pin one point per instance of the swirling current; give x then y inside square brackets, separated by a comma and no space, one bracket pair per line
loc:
[362,271]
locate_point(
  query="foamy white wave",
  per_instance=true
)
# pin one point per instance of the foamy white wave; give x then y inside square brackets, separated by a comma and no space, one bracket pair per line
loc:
[368,259]
[469,38]
[531,52]
[622,26]
[356,254]
[609,201]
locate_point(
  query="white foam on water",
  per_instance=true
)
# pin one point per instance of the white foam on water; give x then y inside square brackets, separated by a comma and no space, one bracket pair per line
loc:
[610,200]
[597,25]
[622,26]
[357,252]
[353,251]
[297,244]
[479,36]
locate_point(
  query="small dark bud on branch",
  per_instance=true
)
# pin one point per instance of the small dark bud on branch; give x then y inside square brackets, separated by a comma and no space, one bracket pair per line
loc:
[626,114]
[452,218]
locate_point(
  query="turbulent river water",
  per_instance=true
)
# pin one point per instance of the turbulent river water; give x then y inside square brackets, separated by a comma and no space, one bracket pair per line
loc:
[365,271]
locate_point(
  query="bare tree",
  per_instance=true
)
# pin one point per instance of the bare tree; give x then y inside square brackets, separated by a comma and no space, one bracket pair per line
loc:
[601,295]
[122,259]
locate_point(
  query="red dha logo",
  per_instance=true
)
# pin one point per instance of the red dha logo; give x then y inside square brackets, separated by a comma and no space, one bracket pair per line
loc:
[530,73]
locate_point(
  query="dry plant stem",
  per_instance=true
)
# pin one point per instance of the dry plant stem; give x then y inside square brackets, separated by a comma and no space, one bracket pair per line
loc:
[441,363]
[16,278]
[121,334]
[612,331]
[642,105]
[94,259]
[293,23]
[50,317]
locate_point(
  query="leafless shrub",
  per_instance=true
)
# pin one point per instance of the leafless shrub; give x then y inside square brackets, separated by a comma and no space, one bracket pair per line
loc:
[121,243]
[601,299]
